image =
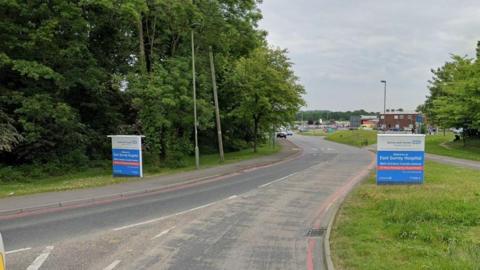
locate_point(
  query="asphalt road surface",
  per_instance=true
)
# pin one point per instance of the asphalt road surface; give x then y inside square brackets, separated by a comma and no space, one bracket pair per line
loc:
[255,220]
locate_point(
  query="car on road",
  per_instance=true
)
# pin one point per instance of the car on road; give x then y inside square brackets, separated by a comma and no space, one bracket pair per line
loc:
[289,133]
[2,254]
[282,134]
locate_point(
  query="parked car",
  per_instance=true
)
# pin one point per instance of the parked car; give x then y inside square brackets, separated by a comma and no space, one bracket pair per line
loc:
[2,254]
[457,131]
[282,134]
[289,133]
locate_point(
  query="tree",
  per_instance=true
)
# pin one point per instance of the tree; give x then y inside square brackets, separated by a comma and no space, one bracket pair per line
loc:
[454,99]
[267,90]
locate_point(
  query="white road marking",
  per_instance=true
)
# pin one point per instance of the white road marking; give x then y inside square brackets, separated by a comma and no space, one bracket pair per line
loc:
[162,218]
[163,233]
[278,180]
[112,265]
[232,197]
[41,259]
[17,250]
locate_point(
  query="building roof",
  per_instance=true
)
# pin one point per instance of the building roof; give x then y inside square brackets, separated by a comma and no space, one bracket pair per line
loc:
[404,112]
[368,117]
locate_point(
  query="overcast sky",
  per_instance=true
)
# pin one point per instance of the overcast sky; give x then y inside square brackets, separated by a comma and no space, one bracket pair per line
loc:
[343,48]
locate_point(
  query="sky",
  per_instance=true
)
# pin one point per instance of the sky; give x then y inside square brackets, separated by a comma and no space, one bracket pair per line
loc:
[342,49]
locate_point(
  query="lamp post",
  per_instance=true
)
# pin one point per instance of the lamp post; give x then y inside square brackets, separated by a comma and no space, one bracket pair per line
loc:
[384,102]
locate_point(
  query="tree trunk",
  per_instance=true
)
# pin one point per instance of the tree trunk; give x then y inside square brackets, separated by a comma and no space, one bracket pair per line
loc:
[141,45]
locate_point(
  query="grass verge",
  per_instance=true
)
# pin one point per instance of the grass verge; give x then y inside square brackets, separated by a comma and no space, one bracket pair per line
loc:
[315,132]
[357,138]
[432,226]
[445,146]
[101,176]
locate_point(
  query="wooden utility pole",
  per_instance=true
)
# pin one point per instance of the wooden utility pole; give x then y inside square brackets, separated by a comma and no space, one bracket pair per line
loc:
[217,110]
[197,152]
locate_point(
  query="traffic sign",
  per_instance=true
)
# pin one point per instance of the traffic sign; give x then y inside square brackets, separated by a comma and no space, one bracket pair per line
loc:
[400,158]
[127,155]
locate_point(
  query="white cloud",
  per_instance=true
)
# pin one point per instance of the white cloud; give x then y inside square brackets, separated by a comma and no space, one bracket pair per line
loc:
[342,49]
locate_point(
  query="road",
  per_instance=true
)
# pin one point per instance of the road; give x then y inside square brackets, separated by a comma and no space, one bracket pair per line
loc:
[254,220]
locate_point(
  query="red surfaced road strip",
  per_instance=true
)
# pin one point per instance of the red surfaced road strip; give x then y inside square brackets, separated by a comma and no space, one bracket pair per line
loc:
[342,191]
[400,168]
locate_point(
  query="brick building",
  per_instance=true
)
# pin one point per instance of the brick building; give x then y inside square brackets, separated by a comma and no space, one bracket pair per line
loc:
[400,121]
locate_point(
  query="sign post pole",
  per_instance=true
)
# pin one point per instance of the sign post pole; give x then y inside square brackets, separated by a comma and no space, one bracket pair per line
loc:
[400,159]
[127,155]
[2,254]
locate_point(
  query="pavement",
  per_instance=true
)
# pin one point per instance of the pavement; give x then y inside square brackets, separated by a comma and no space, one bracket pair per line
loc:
[454,161]
[267,217]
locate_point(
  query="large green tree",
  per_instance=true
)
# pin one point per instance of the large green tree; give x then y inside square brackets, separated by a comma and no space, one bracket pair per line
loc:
[454,99]
[72,72]
[267,91]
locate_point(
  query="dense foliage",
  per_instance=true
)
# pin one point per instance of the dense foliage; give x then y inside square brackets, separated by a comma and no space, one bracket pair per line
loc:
[72,72]
[454,99]
[313,117]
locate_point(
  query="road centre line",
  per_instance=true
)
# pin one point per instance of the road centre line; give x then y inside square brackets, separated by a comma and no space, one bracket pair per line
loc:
[162,218]
[190,210]
[278,180]
[112,265]
[37,263]
[163,233]
[17,250]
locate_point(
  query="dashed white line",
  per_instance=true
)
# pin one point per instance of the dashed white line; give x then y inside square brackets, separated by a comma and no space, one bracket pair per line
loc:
[275,181]
[40,259]
[232,197]
[17,250]
[162,218]
[163,233]
[112,265]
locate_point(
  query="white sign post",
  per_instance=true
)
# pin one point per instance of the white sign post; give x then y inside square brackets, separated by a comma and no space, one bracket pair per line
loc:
[127,155]
[2,254]
[400,158]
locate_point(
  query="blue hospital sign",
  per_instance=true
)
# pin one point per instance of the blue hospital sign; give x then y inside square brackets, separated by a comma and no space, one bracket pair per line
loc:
[400,158]
[127,155]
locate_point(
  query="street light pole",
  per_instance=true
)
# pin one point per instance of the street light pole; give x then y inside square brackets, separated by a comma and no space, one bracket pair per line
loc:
[197,153]
[384,102]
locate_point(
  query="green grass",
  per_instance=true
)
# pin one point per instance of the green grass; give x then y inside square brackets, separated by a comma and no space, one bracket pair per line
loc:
[444,145]
[314,132]
[430,226]
[357,138]
[101,176]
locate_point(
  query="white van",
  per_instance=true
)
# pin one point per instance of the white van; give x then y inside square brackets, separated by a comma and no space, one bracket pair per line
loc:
[2,254]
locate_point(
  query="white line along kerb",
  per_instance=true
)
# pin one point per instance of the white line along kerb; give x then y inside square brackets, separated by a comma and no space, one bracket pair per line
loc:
[41,259]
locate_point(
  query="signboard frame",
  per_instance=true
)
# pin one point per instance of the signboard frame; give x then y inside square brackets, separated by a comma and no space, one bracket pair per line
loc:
[400,159]
[127,160]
